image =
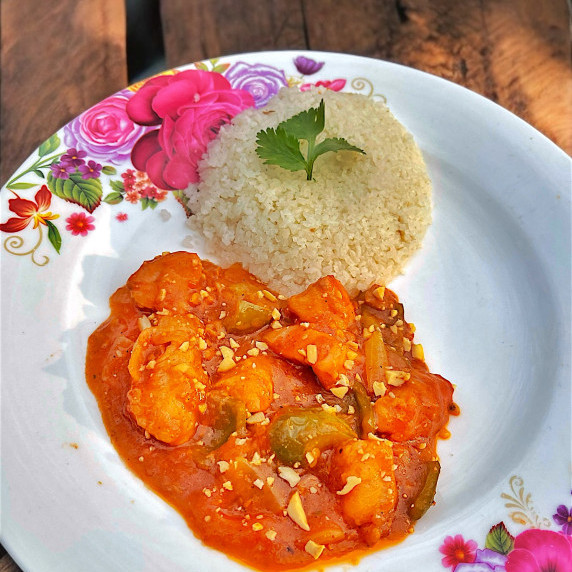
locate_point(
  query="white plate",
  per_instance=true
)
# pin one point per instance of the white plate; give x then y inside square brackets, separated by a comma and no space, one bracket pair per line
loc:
[489,294]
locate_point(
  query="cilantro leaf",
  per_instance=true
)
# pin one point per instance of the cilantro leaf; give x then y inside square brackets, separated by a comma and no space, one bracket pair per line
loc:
[335,144]
[277,147]
[307,124]
[281,146]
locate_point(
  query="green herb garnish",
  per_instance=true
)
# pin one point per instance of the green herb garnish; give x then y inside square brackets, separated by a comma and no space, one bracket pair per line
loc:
[281,146]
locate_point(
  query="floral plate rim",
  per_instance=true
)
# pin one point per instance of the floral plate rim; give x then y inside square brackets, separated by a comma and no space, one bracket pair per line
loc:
[95,184]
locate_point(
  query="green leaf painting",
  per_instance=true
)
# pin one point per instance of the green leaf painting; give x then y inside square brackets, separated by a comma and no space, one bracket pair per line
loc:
[22,186]
[54,236]
[113,198]
[83,192]
[499,539]
[117,186]
[49,146]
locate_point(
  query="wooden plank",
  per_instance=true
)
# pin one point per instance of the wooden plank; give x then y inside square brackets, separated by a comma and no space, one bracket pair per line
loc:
[8,565]
[515,52]
[530,64]
[200,29]
[56,63]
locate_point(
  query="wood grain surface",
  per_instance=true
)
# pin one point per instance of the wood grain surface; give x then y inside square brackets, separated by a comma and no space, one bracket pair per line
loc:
[515,52]
[56,62]
[59,58]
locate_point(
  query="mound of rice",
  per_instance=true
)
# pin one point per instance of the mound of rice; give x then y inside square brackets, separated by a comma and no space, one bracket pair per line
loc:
[360,219]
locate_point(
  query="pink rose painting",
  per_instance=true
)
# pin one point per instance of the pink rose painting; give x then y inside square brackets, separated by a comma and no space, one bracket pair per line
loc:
[540,551]
[189,109]
[105,131]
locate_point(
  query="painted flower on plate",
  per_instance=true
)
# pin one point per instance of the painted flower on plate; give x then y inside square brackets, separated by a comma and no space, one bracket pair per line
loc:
[61,170]
[307,66]
[80,224]
[457,550]
[105,131]
[260,80]
[540,551]
[563,518]
[334,85]
[90,170]
[486,560]
[129,178]
[73,157]
[189,107]
[29,211]
[137,186]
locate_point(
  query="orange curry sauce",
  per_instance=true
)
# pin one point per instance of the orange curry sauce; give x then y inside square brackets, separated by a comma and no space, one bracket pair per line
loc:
[287,432]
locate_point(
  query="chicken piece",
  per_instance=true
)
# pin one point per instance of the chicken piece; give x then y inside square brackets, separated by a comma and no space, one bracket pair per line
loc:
[250,381]
[418,408]
[152,340]
[168,282]
[324,353]
[363,476]
[325,302]
[167,379]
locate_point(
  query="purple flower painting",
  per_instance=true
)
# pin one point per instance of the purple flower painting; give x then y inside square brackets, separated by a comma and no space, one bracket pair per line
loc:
[90,170]
[260,80]
[73,157]
[62,170]
[307,66]
[563,518]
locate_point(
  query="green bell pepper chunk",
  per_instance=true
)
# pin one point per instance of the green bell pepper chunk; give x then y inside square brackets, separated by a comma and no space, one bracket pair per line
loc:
[230,416]
[364,409]
[296,432]
[425,497]
[247,318]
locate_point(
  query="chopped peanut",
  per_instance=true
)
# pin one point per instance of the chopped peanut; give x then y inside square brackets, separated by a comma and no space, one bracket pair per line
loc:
[351,482]
[314,549]
[339,392]
[289,475]
[296,512]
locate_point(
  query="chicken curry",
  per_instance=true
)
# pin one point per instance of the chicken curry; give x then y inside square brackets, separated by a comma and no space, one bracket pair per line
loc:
[285,431]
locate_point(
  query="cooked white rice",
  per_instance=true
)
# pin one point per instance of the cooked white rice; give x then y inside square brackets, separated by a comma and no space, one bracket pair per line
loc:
[360,219]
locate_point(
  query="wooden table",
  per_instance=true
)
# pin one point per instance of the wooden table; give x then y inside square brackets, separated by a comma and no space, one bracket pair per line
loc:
[60,58]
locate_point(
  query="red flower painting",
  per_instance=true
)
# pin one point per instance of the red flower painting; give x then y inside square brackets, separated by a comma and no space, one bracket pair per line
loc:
[334,85]
[27,211]
[80,224]
[457,550]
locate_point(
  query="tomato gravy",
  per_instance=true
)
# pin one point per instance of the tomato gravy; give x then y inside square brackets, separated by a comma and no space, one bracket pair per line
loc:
[287,432]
